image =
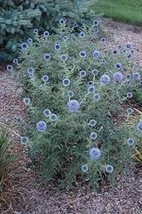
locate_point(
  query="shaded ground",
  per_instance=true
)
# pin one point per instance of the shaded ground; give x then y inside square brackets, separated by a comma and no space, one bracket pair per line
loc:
[25,196]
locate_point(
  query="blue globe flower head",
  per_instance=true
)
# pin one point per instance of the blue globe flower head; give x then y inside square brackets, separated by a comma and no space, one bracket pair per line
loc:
[105,79]
[47,112]
[30,70]
[81,34]
[128,76]
[24,46]
[109,168]
[26,101]
[96,54]
[139,126]
[73,105]
[129,45]
[95,72]
[57,46]
[46,34]
[95,30]
[63,57]
[93,136]
[117,77]
[129,56]
[96,97]
[96,22]
[66,82]
[75,25]
[95,153]
[24,140]
[130,141]
[47,57]
[82,73]
[129,95]
[136,76]
[115,52]
[129,111]
[53,117]
[70,93]
[41,126]
[118,65]
[65,38]
[62,21]
[84,168]
[45,78]
[83,54]
[92,123]
[103,40]
[35,31]
[9,68]
[15,61]
[30,41]
[91,89]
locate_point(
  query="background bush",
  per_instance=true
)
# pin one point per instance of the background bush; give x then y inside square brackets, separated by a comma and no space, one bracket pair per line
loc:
[63,151]
[18,18]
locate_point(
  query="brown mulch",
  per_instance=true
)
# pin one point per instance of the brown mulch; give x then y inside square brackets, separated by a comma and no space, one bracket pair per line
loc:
[23,194]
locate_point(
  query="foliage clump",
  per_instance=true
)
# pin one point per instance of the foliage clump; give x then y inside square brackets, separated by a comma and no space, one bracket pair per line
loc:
[74,88]
[18,18]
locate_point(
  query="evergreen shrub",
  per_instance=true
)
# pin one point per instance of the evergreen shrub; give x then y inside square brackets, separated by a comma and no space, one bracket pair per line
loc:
[19,18]
[74,89]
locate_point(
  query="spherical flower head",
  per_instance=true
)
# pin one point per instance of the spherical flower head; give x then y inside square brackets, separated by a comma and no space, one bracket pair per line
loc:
[105,79]
[26,101]
[136,76]
[47,57]
[96,22]
[57,46]
[63,57]
[129,111]
[70,93]
[9,68]
[47,112]
[35,31]
[95,72]
[93,135]
[129,95]
[66,82]
[75,25]
[109,168]
[30,41]
[129,45]
[30,70]
[15,61]
[118,65]
[82,73]
[84,168]
[62,21]
[73,105]
[41,126]
[128,76]
[81,34]
[103,40]
[92,123]
[129,56]
[24,140]
[24,46]
[95,153]
[91,89]
[139,126]
[96,54]
[117,76]
[115,52]
[46,34]
[83,54]
[53,117]
[130,141]
[45,78]
[65,38]
[96,97]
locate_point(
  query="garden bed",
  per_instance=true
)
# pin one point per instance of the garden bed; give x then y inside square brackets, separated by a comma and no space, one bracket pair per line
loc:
[27,197]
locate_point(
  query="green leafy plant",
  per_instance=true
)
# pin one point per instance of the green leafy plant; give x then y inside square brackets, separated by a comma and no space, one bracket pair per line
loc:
[74,89]
[19,18]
